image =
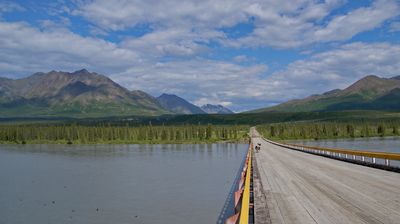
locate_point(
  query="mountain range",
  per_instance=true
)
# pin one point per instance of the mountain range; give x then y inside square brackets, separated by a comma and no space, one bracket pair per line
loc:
[178,105]
[368,93]
[85,94]
[82,94]
[215,109]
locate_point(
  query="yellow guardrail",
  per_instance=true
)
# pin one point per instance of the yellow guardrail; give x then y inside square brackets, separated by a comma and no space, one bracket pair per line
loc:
[371,154]
[338,152]
[243,194]
[244,211]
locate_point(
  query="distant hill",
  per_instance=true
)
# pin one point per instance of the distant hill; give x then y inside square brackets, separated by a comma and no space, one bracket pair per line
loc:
[178,105]
[215,109]
[368,93]
[79,93]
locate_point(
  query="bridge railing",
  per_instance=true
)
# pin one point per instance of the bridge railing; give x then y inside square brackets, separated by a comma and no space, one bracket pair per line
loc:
[384,160]
[242,202]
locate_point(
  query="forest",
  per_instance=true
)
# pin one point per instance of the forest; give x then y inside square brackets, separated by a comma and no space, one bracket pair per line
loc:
[112,134]
[329,130]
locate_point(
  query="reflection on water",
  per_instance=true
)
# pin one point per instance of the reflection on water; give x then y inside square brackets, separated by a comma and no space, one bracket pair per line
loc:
[116,183]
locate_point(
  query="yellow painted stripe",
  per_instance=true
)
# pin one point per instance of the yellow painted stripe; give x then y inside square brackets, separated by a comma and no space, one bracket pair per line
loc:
[244,211]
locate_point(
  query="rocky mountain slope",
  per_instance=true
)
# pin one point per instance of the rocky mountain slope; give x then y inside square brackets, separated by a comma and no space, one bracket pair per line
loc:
[178,105]
[216,109]
[79,93]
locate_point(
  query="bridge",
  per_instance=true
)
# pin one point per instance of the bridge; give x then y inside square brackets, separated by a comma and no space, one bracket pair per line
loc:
[293,184]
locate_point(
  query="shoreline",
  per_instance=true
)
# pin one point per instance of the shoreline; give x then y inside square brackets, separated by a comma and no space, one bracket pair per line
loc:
[239,141]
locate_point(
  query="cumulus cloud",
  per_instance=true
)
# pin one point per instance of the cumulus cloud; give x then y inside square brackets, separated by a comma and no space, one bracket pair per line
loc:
[195,79]
[172,42]
[203,81]
[198,79]
[276,23]
[290,27]
[26,49]
[174,55]
[334,69]
[60,49]
[8,6]
[343,27]
[394,26]
[204,101]
[173,13]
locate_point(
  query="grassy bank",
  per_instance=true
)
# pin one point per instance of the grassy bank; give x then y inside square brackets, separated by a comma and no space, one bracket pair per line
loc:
[120,134]
[330,130]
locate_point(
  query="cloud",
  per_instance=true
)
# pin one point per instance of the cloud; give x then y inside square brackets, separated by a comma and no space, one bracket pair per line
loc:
[174,54]
[27,49]
[198,79]
[195,79]
[334,69]
[204,101]
[276,24]
[49,25]
[242,58]
[7,6]
[344,27]
[172,42]
[173,13]
[59,49]
[394,26]
[292,27]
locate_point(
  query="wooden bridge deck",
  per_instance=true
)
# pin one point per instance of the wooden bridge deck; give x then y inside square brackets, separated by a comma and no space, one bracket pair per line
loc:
[305,188]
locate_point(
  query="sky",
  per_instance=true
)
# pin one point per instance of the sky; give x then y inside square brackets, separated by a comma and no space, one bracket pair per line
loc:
[243,54]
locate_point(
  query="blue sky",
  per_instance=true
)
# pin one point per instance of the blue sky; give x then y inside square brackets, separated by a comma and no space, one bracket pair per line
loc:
[241,54]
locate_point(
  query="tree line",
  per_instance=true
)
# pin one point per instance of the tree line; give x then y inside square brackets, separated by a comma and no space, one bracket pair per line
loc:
[106,133]
[328,130]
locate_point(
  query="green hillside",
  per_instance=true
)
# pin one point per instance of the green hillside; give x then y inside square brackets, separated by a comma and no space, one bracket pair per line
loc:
[369,93]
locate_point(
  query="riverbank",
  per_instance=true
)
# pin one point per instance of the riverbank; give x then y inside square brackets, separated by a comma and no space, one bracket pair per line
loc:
[108,134]
[118,142]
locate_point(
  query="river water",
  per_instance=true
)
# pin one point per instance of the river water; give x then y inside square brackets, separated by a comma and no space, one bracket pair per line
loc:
[42,184]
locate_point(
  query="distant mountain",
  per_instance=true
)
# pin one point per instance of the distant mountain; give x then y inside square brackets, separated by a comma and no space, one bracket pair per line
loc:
[215,109]
[396,77]
[368,93]
[79,93]
[178,105]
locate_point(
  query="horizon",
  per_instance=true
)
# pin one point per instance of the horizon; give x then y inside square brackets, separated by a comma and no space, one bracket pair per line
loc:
[242,55]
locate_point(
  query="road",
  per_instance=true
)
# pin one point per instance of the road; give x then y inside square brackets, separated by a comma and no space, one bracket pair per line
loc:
[305,188]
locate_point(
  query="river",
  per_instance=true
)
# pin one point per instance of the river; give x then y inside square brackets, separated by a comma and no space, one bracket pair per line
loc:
[116,183]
